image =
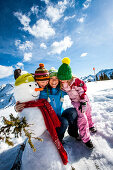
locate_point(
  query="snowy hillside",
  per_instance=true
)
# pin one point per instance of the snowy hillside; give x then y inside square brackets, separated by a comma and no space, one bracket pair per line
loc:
[80,157]
[6,95]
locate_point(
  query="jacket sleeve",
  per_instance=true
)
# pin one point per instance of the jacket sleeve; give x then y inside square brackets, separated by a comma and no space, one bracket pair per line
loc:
[63,93]
[43,94]
[82,88]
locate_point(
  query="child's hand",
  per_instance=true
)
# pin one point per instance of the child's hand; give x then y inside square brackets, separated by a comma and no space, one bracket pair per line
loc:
[66,86]
[82,107]
[19,106]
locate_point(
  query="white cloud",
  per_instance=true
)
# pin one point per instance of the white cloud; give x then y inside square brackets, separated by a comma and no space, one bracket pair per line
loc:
[81,20]
[24,20]
[34,9]
[17,42]
[72,3]
[43,45]
[86,4]
[27,45]
[20,65]
[84,54]
[6,71]
[62,4]
[27,56]
[41,28]
[69,17]
[58,47]
[46,1]
[55,13]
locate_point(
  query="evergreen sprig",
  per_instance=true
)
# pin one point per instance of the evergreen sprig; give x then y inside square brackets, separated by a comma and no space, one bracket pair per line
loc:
[16,126]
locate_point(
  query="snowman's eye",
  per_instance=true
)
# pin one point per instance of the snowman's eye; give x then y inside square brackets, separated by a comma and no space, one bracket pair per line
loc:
[29,85]
[35,84]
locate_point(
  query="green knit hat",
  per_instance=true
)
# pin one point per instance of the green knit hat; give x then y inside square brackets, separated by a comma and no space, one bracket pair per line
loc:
[64,71]
[53,72]
[25,78]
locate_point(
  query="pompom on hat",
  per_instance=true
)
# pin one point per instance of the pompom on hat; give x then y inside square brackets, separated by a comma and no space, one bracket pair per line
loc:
[64,71]
[41,73]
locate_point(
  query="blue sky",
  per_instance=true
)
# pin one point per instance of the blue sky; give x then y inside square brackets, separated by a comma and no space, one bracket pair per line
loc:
[45,31]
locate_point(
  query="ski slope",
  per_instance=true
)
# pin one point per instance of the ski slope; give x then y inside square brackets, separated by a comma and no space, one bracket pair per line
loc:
[80,157]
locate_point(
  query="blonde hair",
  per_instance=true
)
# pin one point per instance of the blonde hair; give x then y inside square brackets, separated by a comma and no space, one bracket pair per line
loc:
[68,81]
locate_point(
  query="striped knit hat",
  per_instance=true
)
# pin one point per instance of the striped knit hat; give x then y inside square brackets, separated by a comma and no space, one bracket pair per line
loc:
[41,73]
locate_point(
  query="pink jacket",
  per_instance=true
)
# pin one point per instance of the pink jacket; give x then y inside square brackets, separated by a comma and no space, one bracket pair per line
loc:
[76,91]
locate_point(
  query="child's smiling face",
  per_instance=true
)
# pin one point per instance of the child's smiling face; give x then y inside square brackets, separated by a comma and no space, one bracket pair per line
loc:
[42,84]
[53,81]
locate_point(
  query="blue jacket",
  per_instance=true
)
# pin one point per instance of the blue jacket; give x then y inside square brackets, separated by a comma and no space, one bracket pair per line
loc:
[55,95]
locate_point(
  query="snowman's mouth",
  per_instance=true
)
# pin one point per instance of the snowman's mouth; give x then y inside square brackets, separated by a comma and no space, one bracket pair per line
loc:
[35,96]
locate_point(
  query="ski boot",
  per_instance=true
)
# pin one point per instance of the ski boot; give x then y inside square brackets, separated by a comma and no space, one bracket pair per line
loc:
[89,144]
[93,129]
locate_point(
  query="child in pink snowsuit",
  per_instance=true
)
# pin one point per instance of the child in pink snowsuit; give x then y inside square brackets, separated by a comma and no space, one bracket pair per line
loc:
[76,89]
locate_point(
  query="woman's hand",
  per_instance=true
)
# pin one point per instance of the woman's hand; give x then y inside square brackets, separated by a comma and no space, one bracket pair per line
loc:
[19,106]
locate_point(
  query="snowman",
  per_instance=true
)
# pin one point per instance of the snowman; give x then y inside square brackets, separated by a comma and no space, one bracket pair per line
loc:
[46,156]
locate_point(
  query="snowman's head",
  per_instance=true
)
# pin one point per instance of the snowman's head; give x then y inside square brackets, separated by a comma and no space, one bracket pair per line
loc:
[26,89]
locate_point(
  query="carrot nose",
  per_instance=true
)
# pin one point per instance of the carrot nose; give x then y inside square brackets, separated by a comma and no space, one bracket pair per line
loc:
[38,89]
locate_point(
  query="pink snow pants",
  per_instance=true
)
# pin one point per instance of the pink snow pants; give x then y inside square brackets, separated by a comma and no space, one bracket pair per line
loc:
[84,122]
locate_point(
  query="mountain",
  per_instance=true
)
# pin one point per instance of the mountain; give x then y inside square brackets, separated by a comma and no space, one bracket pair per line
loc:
[108,72]
[88,78]
[6,95]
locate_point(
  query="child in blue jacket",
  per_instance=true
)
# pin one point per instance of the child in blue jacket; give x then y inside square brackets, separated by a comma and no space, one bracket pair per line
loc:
[55,97]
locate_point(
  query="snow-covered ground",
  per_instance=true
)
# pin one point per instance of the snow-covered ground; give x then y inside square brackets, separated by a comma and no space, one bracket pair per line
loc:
[81,158]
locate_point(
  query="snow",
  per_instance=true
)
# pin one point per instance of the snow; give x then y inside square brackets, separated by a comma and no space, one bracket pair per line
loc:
[80,157]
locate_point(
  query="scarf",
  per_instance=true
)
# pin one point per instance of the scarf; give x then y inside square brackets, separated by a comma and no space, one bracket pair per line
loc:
[51,122]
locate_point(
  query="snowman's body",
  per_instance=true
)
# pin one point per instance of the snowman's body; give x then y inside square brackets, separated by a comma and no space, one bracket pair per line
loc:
[46,156]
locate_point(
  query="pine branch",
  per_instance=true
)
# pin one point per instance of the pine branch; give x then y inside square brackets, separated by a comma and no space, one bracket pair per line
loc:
[16,126]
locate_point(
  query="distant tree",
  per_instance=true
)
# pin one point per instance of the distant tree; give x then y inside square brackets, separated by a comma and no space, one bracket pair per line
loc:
[105,77]
[96,78]
[101,77]
[89,80]
[111,76]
